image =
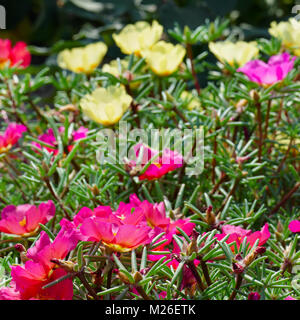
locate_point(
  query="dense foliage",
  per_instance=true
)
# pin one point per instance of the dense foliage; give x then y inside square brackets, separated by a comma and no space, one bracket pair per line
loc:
[127,230]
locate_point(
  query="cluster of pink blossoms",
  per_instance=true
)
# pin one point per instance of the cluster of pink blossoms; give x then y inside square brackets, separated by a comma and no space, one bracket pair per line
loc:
[131,225]
[11,136]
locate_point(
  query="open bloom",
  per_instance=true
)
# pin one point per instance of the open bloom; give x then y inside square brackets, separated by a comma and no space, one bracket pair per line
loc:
[24,219]
[289,34]
[164,58]
[168,161]
[106,105]
[82,60]
[120,238]
[12,56]
[238,234]
[294,226]
[269,73]
[139,36]
[28,280]
[11,136]
[240,52]
[50,139]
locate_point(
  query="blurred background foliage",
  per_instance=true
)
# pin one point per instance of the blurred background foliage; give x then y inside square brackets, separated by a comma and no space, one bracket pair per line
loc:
[67,23]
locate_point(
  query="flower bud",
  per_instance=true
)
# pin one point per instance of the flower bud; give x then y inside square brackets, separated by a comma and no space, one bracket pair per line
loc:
[210,216]
[240,106]
[137,277]
[254,296]
[128,75]
[68,266]
[19,247]
[237,268]
[123,277]
[254,95]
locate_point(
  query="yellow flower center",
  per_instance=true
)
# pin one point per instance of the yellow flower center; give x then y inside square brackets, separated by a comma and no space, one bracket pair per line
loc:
[22,223]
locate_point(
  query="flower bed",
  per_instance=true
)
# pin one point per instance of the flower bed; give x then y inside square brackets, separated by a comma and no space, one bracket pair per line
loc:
[134,180]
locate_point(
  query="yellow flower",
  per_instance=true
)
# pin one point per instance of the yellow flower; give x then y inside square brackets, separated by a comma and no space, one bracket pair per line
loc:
[240,52]
[164,58]
[113,67]
[106,105]
[289,33]
[82,60]
[136,37]
[193,101]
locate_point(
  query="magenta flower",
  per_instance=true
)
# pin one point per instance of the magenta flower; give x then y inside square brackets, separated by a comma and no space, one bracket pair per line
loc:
[254,296]
[155,216]
[14,55]
[267,74]
[168,161]
[24,219]
[294,226]
[289,298]
[120,238]
[11,136]
[237,235]
[50,139]
[28,280]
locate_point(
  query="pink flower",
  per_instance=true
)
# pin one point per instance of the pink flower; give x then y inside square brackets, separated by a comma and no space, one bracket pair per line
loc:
[120,238]
[254,296]
[50,139]
[169,161]
[155,216]
[269,73]
[24,219]
[28,280]
[11,136]
[237,234]
[18,54]
[289,298]
[294,226]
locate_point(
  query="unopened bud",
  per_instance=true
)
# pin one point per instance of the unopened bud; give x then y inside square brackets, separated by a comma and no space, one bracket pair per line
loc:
[252,255]
[69,107]
[238,257]
[45,166]
[192,247]
[19,247]
[137,277]
[68,266]
[254,296]
[240,160]
[123,277]
[260,250]
[210,216]
[237,268]
[128,75]
[240,106]
[254,95]
[279,227]
[95,190]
